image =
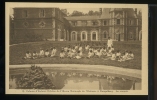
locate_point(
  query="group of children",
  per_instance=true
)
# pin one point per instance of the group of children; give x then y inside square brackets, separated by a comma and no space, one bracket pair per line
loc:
[41,54]
[79,51]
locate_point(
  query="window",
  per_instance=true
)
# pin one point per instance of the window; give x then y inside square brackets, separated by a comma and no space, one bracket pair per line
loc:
[131,36]
[73,35]
[130,22]
[105,22]
[84,23]
[25,13]
[74,23]
[105,35]
[84,36]
[42,13]
[94,36]
[118,21]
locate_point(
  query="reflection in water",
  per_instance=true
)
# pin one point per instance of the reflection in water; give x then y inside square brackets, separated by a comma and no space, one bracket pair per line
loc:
[66,80]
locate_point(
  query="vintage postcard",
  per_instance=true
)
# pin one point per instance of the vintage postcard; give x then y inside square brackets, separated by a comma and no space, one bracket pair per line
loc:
[76,48]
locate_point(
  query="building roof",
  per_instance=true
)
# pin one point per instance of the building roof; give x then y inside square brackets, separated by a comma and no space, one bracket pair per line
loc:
[130,13]
[82,17]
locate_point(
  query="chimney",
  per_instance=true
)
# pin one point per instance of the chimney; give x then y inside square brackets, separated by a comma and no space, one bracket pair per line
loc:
[100,10]
[136,11]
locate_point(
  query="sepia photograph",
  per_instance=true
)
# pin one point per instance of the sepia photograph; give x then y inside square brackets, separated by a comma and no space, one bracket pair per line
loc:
[70,48]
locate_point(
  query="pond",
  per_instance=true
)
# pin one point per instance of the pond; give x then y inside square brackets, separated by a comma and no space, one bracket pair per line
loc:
[81,80]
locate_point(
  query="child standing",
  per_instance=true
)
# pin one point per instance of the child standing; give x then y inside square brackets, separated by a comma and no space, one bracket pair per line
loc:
[109,42]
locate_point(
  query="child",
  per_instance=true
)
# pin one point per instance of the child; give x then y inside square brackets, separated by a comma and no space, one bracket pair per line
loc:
[70,55]
[90,54]
[28,55]
[109,53]
[47,53]
[112,49]
[80,48]
[65,49]
[122,57]
[35,55]
[130,56]
[78,56]
[53,53]
[98,53]
[69,48]
[109,42]
[113,56]
[118,54]
[41,54]
[62,54]
[95,51]
[73,50]
[91,49]
[76,47]
[86,47]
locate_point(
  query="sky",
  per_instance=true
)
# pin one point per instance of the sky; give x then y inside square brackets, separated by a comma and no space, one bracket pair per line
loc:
[70,10]
[70,6]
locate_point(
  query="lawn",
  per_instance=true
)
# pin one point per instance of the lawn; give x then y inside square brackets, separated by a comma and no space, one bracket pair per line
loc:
[18,51]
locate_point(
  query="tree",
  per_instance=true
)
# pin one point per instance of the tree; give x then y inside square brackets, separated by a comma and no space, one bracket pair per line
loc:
[77,13]
[91,13]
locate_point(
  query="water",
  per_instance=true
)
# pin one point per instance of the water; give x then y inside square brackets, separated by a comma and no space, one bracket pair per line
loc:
[80,80]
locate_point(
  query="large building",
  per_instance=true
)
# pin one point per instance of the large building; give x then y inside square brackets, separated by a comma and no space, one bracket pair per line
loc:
[53,24]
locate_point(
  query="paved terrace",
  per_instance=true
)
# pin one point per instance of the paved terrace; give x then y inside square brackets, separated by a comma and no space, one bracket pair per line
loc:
[96,68]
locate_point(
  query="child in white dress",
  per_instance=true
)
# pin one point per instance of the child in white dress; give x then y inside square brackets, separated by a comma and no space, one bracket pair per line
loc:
[53,52]
[47,54]
[62,54]
[28,55]
[118,55]
[113,56]
[90,54]
[35,55]
[98,53]
[42,53]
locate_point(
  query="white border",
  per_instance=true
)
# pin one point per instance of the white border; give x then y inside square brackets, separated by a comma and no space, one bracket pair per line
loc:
[144,7]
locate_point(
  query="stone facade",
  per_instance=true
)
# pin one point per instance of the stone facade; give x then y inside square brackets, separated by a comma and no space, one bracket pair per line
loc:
[53,24]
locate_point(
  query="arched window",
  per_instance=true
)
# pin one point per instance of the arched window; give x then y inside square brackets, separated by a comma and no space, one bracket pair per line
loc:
[83,36]
[73,36]
[94,36]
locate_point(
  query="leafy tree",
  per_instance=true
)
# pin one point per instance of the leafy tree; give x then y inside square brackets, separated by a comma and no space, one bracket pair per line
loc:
[77,13]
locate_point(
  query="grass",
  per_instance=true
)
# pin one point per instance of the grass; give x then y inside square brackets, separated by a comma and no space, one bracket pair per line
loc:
[18,51]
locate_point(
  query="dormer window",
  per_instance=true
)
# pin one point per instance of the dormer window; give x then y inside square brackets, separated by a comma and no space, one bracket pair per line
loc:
[42,13]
